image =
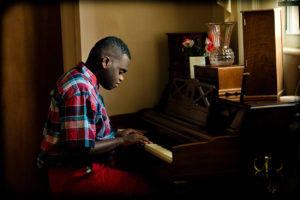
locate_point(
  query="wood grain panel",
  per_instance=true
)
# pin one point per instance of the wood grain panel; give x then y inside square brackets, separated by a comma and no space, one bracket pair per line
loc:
[263,52]
[259,47]
[31,56]
[227,79]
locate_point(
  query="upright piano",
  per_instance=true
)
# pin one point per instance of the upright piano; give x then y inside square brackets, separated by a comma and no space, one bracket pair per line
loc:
[198,136]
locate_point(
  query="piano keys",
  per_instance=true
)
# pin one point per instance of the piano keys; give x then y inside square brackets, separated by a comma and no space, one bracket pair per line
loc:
[160,152]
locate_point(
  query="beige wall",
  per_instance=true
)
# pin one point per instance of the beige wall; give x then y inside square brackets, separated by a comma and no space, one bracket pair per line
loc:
[143,26]
[233,17]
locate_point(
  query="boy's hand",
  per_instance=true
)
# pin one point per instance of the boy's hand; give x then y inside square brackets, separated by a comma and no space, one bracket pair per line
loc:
[133,138]
[125,132]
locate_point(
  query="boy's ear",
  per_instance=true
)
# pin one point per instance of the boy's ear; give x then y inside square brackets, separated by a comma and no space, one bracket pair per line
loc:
[106,62]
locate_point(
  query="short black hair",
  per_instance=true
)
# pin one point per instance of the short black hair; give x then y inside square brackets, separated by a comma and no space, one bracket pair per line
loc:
[108,46]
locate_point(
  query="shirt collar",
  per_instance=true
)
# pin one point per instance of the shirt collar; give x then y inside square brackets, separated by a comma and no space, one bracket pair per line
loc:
[88,74]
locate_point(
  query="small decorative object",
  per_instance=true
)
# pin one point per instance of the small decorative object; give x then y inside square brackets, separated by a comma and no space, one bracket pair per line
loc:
[272,176]
[221,53]
[195,60]
[196,54]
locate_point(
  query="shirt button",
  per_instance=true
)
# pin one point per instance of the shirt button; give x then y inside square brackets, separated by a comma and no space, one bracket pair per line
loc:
[88,169]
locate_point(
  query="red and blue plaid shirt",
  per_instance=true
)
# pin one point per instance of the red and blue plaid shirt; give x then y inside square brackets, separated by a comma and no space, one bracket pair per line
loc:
[77,116]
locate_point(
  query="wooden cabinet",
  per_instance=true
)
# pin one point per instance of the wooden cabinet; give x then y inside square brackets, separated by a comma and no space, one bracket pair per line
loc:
[262,36]
[226,79]
[178,61]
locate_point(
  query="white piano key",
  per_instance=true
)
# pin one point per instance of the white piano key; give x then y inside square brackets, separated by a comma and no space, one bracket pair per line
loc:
[160,152]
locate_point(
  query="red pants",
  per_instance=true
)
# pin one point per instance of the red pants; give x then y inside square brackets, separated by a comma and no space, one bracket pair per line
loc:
[99,179]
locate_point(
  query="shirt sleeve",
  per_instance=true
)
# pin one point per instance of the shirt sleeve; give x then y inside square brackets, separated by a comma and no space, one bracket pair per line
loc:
[77,123]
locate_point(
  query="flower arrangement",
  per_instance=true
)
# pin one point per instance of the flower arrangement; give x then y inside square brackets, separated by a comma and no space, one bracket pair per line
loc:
[191,49]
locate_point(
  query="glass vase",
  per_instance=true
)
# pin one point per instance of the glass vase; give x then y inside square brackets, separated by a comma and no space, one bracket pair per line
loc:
[221,54]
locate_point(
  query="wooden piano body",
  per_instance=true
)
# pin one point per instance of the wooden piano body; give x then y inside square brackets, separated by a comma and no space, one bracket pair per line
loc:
[210,138]
[201,145]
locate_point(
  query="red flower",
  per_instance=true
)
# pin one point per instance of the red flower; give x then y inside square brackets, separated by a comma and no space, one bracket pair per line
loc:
[209,44]
[188,43]
[210,38]
[209,47]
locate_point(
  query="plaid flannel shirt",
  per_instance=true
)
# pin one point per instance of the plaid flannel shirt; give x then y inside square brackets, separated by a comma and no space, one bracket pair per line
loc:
[77,116]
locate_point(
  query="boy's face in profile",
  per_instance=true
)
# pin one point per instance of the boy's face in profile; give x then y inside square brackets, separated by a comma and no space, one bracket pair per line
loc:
[114,68]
